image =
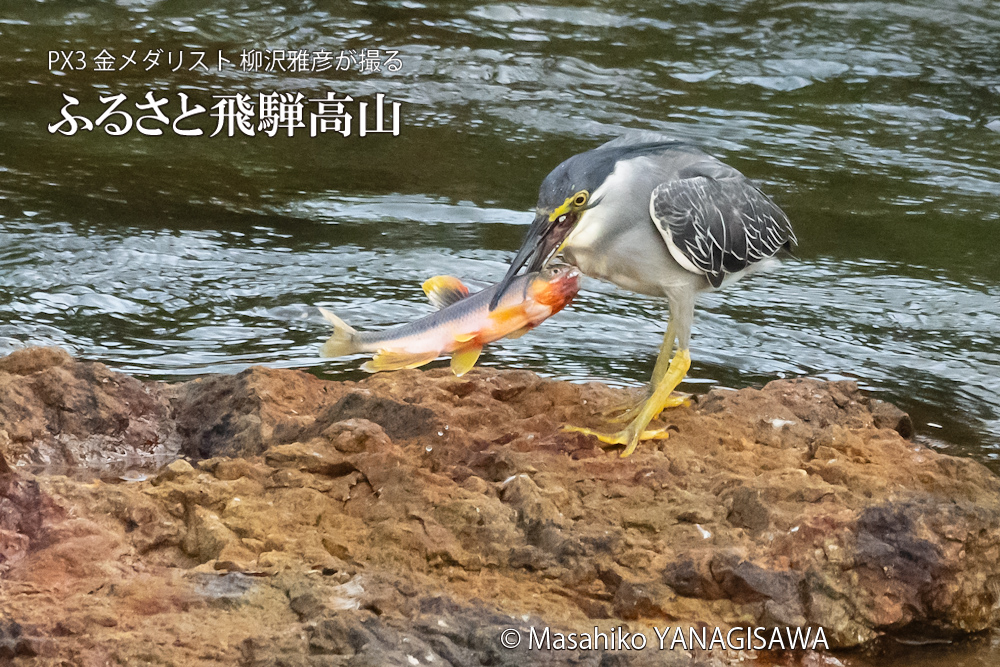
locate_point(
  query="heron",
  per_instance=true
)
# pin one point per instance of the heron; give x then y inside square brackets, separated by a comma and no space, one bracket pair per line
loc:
[659,217]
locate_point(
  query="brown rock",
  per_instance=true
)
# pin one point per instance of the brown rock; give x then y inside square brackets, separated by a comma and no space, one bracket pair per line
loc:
[31,360]
[642,600]
[533,510]
[369,522]
[244,414]
[887,415]
[55,409]
[747,511]
[26,516]
[352,436]
[207,536]
[398,420]
[317,457]
[174,470]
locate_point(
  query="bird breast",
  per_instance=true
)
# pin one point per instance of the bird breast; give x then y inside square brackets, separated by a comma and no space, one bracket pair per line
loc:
[617,241]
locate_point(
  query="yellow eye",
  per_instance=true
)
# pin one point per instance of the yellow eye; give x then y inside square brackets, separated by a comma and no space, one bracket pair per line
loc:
[580,198]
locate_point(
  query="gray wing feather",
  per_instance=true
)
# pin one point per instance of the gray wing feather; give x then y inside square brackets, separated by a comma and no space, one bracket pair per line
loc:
[719,225]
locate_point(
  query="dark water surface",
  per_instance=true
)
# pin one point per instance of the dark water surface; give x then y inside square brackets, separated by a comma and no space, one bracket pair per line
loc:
[875,125]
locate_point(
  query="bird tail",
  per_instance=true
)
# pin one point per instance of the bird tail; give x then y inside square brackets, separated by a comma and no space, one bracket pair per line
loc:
[344,340]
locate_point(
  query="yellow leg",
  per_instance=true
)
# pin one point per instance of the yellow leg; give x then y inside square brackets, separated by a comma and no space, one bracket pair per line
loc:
[632,410]
[665,357]
[658,400]
[663,360]
[624,410]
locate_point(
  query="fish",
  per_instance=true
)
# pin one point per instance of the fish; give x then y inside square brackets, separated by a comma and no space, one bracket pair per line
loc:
[462,325]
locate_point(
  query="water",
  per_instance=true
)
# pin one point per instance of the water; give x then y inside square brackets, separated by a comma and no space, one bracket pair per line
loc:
[875,125]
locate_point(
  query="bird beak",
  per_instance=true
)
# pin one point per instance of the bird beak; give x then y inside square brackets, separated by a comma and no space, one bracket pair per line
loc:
[544,238]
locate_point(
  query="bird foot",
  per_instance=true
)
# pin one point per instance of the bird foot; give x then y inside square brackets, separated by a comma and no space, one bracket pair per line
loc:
[661,397]
[632,411]
[637,398]
[626,436]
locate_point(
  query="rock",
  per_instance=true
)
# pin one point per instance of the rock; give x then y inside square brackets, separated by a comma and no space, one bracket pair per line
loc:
[31,360]
[747,511]
[180,467]
[642,600]
[318,457]
[887,415]
[56,410]
[228,589]
[244,414]
[26,516]
[206,536]
[174,470]
[342,523]
[398,420]
[352,436]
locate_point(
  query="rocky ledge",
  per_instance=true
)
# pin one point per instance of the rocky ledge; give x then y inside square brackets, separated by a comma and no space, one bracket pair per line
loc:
[412,518]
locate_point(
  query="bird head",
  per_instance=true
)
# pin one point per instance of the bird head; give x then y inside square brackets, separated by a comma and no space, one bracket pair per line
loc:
[565,196]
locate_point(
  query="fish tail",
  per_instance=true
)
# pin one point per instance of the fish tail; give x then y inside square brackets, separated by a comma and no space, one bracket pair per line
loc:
[344,340]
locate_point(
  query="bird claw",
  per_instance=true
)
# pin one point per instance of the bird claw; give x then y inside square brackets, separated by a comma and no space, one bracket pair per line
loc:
[661,397]
[636,397]
[632,411]
[625,437]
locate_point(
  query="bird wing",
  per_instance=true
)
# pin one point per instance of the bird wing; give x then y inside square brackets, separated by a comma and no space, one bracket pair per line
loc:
[716,222]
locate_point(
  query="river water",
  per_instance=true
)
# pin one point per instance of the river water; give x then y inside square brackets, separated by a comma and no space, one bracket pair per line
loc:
[875,125]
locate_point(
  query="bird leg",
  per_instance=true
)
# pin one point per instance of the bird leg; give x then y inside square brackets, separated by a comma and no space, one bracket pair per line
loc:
[665,357]
[632,410]
[666,377]
[658,400]
[625,409]
[663,360]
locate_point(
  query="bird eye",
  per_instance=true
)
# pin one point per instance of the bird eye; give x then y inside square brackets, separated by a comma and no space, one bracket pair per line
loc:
[580,199]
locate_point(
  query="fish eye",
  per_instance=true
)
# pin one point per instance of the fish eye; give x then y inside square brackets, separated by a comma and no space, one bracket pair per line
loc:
[562,218]
[580,198]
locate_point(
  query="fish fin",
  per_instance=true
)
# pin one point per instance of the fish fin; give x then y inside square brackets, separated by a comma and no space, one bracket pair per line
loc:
[463,360]
[464,337]
[502,315]
[344,338]
[392,360]
[518,333]
[444,291]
